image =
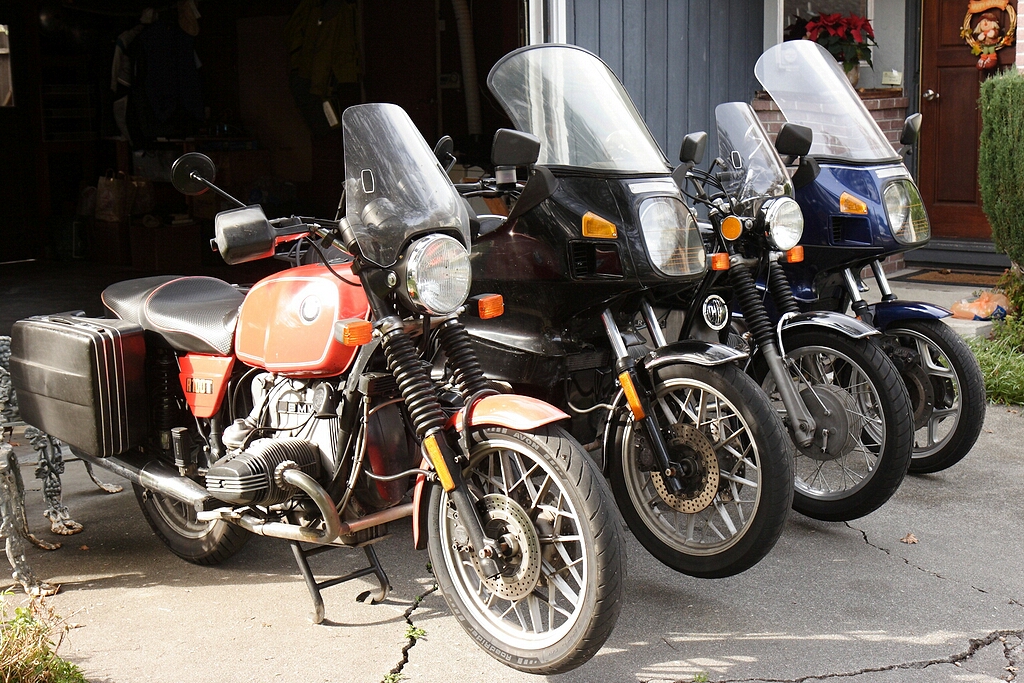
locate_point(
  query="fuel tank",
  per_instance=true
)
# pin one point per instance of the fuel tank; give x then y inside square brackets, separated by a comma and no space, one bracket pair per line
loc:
[286,324]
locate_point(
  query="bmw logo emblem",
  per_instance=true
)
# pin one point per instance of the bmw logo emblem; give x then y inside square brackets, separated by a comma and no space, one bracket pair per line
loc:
[716,312]
[309,309]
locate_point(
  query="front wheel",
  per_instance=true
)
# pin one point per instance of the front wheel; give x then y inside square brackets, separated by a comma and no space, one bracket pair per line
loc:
[947,391]
[733,508]
[540,497]
[176,525]
[863,428]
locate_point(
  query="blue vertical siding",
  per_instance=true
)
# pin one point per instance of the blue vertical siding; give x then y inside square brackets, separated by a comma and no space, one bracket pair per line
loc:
[678,59]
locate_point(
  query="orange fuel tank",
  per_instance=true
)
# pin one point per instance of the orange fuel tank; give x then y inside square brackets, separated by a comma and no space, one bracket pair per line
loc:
[286,324]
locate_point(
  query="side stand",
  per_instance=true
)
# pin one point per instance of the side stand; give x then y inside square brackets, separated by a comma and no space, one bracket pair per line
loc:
[315,587]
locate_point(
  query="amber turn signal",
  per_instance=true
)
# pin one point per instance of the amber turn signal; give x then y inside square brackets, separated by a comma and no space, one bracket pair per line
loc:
[732,227]
[437,460]
[632,398]
[796,254]
[353,332]
[850,204]
[720,261]
[490,306]
[595,226]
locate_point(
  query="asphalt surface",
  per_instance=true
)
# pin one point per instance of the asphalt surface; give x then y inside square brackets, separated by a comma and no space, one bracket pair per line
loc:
[833,601]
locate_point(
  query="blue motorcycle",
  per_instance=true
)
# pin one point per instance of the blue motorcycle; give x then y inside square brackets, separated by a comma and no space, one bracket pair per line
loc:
[861,205]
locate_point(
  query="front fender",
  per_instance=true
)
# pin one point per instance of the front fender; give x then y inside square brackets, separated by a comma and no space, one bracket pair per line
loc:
[694,352]
[837,322]
[885,313]
[522,413]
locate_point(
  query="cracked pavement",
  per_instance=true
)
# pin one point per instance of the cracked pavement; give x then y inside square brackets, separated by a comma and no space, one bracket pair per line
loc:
[832,602]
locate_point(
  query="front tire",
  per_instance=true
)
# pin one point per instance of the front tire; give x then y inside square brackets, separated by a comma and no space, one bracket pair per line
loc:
[947,391]
[743,514]
[856,375]
[561,594]
[175,524]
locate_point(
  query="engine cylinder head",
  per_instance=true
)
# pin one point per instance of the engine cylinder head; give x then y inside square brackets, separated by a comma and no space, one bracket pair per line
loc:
[248,478]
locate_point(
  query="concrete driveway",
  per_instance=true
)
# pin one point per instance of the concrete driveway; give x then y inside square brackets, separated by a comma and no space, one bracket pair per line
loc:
[832,602]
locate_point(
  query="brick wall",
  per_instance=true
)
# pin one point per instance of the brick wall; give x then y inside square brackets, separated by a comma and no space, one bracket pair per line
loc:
[1020,35]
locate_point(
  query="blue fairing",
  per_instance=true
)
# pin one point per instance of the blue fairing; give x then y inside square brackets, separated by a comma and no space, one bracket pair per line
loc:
[884,313]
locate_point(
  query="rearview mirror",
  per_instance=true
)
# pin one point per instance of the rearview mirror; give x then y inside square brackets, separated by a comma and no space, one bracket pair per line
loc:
[187,171]
[444,150]
[693,148]
[514,148]
[911,129]
[794,140]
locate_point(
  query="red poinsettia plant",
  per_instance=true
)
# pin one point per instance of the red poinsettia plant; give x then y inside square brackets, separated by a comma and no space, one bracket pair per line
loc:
[849,39]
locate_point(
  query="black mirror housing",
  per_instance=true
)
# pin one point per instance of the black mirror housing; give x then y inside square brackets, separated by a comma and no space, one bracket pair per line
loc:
[693,148]
[514,148]
[187,167]
[911,129]
[243,235]
[444,151]
[794,140]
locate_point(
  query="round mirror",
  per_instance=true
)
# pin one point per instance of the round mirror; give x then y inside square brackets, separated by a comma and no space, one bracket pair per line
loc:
[189,165]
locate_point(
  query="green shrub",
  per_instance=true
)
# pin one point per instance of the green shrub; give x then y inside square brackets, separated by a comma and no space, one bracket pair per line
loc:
[28,645]
[1001,160]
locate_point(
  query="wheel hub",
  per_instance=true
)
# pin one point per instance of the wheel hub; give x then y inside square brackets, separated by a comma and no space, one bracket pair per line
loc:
[837,421]
[518,542]
[700,487]
[919,386]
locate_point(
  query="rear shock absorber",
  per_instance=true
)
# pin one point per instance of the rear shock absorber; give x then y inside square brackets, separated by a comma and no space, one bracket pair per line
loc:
[778,284]
[165,390]
[458,348]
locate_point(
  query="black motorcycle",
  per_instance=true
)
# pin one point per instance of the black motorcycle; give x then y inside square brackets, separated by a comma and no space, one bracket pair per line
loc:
[599,235]
[847,410]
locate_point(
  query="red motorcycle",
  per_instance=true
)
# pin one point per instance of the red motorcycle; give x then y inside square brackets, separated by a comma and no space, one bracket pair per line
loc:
[302,408]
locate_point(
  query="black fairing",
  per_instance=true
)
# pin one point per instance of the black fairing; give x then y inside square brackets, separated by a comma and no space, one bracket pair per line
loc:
[555,282]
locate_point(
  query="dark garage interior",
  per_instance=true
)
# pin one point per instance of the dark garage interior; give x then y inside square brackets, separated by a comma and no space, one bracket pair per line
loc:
[98,97]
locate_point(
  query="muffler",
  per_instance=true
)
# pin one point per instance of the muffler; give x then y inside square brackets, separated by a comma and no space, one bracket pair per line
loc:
[155,476]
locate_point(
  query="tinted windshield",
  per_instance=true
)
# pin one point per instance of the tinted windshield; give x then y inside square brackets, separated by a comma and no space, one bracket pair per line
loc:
[810,88]
[754,170]
[394,187]
[573,102]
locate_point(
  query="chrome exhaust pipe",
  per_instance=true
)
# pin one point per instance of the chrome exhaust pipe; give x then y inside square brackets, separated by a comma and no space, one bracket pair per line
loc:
[292,532]
[155,476]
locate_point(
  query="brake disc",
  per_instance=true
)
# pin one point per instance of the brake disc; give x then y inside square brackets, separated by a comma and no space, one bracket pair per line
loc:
[704,482]
[838,421]
[919,386]
[506,520]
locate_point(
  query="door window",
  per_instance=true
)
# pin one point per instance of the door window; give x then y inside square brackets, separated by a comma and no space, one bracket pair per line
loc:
[6,86]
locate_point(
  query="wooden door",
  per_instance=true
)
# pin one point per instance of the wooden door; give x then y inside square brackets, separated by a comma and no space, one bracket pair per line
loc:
[952,123]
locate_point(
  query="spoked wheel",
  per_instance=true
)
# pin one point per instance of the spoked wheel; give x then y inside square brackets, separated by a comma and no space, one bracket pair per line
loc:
[864,432]
[176,525]
[721,429]
[947,391]
[560,592]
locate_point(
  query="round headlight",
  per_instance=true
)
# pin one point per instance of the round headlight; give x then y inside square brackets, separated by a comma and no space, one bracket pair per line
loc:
[784,222]
[437,274]
[671,235]
[908,220]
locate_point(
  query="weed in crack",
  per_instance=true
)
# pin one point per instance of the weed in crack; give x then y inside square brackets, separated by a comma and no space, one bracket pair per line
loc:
[412,633]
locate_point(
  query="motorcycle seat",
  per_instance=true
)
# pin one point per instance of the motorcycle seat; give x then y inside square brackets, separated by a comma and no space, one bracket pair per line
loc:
[193,314]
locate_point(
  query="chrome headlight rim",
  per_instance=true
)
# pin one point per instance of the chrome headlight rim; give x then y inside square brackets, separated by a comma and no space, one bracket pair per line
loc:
[910,197]
[417,281]
[782,236]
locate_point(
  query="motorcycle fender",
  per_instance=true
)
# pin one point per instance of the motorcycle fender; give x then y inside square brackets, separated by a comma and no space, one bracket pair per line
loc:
[522,413]
[885,313]
[837,322]
[692,351]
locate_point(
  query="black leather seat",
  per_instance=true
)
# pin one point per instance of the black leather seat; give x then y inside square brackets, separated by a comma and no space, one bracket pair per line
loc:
[196,314]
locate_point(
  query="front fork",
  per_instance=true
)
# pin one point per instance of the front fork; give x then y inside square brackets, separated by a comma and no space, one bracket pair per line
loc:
[637,395]
[853,288]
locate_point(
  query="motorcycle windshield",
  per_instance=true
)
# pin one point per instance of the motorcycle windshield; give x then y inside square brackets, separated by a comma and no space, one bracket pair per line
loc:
[754,170]
[811,90]
[573,102]
[394,187]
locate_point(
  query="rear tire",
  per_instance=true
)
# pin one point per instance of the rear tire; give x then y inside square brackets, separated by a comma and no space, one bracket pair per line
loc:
[746,515]
[175,524]
[947,391]
[566,565]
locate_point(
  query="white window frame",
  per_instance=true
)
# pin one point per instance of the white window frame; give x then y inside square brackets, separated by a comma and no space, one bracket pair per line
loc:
[775,20]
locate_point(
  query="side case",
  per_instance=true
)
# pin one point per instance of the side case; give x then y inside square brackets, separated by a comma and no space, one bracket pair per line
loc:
[82,380]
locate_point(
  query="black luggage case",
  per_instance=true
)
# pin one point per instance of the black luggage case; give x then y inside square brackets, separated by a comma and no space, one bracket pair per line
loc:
[82,380]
